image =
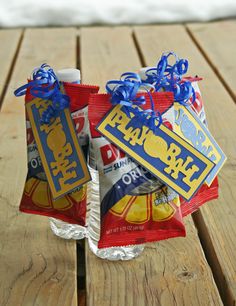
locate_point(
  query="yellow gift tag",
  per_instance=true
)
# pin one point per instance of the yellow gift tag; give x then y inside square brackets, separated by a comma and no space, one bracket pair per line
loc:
[162,152]
[59,149]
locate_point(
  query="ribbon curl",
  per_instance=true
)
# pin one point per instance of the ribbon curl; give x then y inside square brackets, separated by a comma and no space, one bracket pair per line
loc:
[170,78]
[45,85]
[124,92]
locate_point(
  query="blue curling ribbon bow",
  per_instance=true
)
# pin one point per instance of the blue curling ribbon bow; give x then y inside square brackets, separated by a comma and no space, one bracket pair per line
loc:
[45,85]
[124,92]
[169,77]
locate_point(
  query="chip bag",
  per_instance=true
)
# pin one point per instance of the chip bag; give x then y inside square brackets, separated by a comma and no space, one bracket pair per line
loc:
[37,197]
[170,77]
[135,206]
[203,195]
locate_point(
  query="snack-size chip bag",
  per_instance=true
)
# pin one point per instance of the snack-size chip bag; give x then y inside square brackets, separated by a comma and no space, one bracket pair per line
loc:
[136,207]
[37,198]
[169,76]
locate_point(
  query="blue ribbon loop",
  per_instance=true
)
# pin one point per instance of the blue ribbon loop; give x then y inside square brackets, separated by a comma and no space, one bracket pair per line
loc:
[124,92]
[45,85]
[170,78]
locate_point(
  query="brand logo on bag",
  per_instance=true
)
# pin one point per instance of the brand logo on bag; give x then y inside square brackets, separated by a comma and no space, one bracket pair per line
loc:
[110,154]
[58,146]
[189,127]
[163,153]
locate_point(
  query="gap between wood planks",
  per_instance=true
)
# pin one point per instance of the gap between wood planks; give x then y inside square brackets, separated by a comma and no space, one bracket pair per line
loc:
[210,63]
[144,270]
[80,245]
[198,218]
[37,267]
[5,83]
[78,64]
[78,58]
[217,221]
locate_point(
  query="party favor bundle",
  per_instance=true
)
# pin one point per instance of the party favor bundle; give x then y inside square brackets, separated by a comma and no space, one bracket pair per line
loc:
[151,156]
[57,135]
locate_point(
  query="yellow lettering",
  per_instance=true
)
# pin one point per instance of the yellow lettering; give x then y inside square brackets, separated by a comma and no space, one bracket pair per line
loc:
[119,119]
[155,146]
[189,173]
[170,160]
[56,142]
[178,165]
[47,128]
[42,105]
[62,165]
[132,135]
[145,131]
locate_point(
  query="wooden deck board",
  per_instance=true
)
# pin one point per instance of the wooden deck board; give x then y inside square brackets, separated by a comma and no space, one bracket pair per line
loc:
[172,272]
[9,43]
[217,41]
[216,222]
[36,267]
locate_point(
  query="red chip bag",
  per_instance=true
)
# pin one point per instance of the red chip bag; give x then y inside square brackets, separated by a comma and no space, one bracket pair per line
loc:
[37,198]
[136,207]
[204,194]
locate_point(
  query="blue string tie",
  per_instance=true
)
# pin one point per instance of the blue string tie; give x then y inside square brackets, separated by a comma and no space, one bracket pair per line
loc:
[170,78]
[124,92]
[45,85]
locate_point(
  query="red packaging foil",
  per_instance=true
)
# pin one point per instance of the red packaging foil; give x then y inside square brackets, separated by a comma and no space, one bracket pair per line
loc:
[37,198]
[135,206]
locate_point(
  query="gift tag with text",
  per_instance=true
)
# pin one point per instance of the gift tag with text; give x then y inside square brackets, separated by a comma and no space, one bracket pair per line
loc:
[189,127]
[162,152]
[62,158]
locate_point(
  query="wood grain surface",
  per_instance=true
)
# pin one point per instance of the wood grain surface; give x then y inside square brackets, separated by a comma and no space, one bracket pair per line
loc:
[216,222]
[36,267]
[10,40]
[217,41]
[172,272]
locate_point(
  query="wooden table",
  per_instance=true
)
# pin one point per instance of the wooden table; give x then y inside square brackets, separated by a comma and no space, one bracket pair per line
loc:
[36,267]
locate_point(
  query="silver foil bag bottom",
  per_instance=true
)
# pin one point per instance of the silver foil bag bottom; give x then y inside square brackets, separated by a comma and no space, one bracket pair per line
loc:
[93,230]
[66,230]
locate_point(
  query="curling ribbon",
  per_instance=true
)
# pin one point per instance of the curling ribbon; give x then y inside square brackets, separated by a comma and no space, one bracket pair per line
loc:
[45,85]
[124,92]
[170,78]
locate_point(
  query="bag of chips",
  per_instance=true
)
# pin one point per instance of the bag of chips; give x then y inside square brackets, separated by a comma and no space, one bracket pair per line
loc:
[37,197]
[170,77]
[136,207]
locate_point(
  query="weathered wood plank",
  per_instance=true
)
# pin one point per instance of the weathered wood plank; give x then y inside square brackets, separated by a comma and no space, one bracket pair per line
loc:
[9,43]
[105,56]
[217,226]
[36,267]
[218,42]
[171,272]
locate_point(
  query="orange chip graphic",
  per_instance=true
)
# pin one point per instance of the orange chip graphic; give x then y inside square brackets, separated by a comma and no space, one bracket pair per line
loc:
[40,194]
[140,209]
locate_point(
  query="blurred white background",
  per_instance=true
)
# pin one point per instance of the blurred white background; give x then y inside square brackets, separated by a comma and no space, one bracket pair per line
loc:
[15,13]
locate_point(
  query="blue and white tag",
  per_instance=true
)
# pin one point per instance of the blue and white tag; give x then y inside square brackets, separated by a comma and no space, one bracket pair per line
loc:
[189,127]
